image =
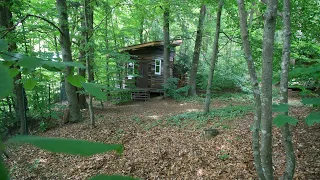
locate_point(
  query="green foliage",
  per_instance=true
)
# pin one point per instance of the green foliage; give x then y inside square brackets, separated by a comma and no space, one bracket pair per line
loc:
[137,119]
[281,119]
[171,89]
[314,101]
[224,157]
[111,177]
[29,84]
[228,112]
[3,171]
[76,80]
[95,90]
[6,85]
[68,146]
[312,118]
[119,96]
[280,108]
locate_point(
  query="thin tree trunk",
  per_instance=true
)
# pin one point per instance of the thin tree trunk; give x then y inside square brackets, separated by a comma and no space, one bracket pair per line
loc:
[287,138]
[255,87]
[107,48]
[141,31]
[19,105]
[166,52]
[65,43]
[214,59]
[196,54]
[88,11]
[266,89]
[82,58]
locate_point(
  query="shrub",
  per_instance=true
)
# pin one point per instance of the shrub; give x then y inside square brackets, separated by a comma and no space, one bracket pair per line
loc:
[171,89]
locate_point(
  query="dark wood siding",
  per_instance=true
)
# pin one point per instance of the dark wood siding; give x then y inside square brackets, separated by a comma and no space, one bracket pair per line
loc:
[149,54]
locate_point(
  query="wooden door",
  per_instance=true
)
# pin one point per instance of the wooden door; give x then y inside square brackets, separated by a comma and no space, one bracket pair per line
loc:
[142,79]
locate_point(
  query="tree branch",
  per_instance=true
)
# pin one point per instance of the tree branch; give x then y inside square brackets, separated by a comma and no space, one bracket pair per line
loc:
[230,38]
[24,18]
[108,13]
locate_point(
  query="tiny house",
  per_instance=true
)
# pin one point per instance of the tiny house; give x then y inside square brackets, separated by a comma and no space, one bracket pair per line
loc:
[147,65]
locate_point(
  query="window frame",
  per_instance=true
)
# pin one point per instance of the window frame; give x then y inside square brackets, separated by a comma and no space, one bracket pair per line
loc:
[155,66]
[129,69]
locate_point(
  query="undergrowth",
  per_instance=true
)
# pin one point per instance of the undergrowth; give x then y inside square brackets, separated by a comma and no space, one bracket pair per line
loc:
[197,118]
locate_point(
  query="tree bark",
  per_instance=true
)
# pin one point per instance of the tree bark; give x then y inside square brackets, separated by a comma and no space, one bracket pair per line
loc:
[88,11]
[65,43]
[266,89]
[255,88]
[287,138]
[196,54]
[213,59]
[20,97]
[166,52]
[82,58]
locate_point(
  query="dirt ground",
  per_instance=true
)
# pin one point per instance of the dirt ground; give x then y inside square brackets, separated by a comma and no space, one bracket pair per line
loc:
[153,151]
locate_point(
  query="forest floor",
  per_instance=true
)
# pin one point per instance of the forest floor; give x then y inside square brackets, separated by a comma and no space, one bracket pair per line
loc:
[156,148]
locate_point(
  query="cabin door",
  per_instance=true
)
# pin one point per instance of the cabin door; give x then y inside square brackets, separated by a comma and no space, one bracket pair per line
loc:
[142,79]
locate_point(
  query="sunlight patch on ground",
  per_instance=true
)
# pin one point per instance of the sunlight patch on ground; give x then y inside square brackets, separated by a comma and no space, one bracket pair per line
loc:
[296,102]
[156,117]
[193,110]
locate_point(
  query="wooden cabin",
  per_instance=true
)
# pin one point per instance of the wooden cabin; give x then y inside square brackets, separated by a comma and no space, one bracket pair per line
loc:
[148,65]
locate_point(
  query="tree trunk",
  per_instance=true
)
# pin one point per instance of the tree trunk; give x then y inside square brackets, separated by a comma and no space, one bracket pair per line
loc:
[196,54]
[266,89]
[82,58]
[213,59]
[65,43]
[255,87]
[88,11]
[20,98]
[166,52]
[287,138]
[141,31]
[107,8]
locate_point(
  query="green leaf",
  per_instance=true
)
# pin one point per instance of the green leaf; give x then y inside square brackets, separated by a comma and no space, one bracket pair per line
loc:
[29,62]
[50,68]
[111,177]
[74,64]
[58,66]
[94,90]
[76,80]
[280,107]
[3,45]
[8,56]
[30,84]
[3,170]
[314,101]
[313,117]
[13,72]
[281,119]
[6,85]
[68,146]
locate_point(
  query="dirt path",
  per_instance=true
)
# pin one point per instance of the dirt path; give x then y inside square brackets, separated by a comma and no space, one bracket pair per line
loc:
[165,152]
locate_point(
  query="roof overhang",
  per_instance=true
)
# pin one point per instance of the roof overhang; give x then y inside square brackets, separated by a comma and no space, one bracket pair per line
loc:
[150,44]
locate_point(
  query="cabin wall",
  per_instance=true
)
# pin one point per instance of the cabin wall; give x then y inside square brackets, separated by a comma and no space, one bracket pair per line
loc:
[155,81]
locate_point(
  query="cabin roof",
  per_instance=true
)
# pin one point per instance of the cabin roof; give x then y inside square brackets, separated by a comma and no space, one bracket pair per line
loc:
[150,44]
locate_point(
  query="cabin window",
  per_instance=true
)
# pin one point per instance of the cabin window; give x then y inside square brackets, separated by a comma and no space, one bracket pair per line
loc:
[130,69]
[157,67]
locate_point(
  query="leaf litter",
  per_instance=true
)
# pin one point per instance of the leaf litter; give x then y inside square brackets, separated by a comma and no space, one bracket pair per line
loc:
[154,150]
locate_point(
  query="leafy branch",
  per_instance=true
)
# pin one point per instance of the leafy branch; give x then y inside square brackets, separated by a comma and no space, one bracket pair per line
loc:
[24,19]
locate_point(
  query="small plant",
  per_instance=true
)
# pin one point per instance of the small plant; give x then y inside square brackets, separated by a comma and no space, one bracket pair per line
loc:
[118,134]
[137,119]
[43,126]
[34,165]
[224,156]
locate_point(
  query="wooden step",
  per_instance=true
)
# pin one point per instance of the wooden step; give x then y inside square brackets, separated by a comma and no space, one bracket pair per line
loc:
[140,95]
